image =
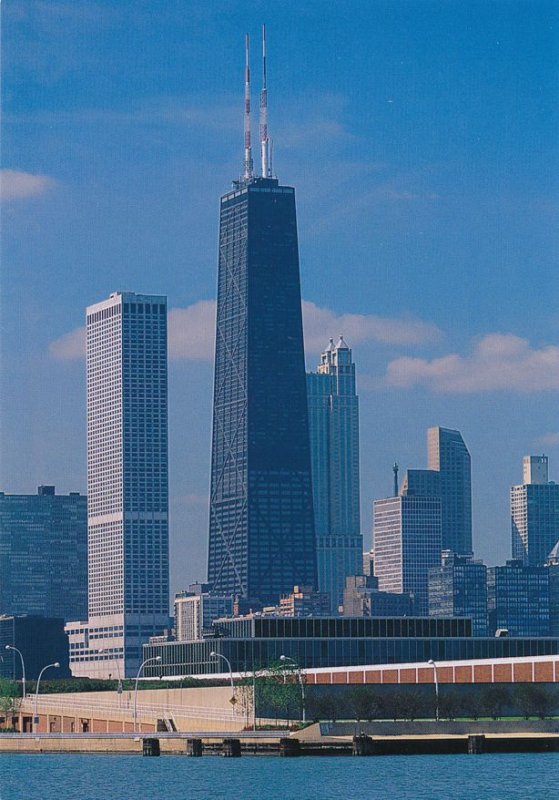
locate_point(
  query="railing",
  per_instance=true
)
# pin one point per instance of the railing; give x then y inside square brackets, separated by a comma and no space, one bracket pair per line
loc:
[87,708]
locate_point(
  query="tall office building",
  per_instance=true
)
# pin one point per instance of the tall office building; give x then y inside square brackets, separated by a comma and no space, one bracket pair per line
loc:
[196,609]
[261,533]
[458,588]
[407,542]
[518,599]
[127,477]
[534,513]
[448,455]
[43,554]
[334,436]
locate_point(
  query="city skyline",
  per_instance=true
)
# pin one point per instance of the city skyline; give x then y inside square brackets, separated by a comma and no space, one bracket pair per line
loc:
[425,202]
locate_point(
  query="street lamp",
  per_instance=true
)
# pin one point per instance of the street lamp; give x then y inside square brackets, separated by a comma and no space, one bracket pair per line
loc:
[9,647]
[432,663]
[142,665]
[233,700]
[301,684]
[35,716]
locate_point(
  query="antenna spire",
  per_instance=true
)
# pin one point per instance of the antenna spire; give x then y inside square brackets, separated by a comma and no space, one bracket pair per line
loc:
[248,166]
[264,140]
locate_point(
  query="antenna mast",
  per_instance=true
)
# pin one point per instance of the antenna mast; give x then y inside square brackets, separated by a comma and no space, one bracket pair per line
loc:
[248,166]
[264,141]
[395,469]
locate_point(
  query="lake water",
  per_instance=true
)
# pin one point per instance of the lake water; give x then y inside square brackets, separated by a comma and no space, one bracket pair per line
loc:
[102,777]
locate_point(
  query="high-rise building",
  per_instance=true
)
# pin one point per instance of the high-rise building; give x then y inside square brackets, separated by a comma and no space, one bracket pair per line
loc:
[534,513]
[363,598]
[421,482]
[43,554]
[518,599]
[196,609]
[458,588]
[334,437]
[407,542]
[552,565]
[127,478]
[40,640]
[448,455]
[261,532]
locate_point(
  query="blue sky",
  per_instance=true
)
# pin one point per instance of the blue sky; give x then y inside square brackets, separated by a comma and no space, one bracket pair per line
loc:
[421,138]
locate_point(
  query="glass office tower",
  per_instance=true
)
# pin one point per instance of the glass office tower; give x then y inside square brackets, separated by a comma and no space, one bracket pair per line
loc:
[534,506]
[261,538]
[448,454]
[43,554]
[334,436]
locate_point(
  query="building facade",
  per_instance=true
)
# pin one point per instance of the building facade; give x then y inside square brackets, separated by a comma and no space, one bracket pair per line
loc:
[334,436]
[407,543]
[43,554]
[40,640]
[252,644]
[196,609]
[362,598]
[458,588]
[303,601]
[534,513]
[552,565]
[447,454]
[261,537]
[518,599]
[127,477]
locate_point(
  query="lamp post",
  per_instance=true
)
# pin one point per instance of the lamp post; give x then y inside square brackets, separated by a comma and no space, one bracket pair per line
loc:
[233,700]
[9,647]
[432,663]
[142,665]
[35,717]
[301,684]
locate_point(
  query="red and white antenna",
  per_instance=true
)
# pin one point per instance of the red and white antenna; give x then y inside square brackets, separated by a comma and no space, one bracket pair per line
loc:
[248,166]
[264,140]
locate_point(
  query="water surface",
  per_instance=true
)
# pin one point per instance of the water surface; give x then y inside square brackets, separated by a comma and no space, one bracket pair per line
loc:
[523,776]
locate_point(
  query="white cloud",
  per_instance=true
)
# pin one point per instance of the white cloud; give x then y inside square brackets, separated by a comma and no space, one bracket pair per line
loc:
[69,347]
[498,362]
[549,440]
[321,323]
[192,331]
[16,185]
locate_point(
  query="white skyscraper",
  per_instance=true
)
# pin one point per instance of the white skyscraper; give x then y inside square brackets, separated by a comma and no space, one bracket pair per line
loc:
[127,477]
[407,540]
[334,435]
[534,506]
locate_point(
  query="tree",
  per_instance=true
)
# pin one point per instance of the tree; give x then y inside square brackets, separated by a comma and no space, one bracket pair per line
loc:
[450,704]
[494,699]
[534,700]
[10,702]
[279,690]
[363,703]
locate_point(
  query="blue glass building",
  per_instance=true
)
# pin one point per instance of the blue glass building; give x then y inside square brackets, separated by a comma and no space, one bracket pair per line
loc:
[334,436]
[261,538]
[43,554]
[518,599]
[458,588]
[534,513]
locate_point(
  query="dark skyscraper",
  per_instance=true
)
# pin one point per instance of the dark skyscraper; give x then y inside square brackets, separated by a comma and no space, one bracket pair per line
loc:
[262,539]
[448,454]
